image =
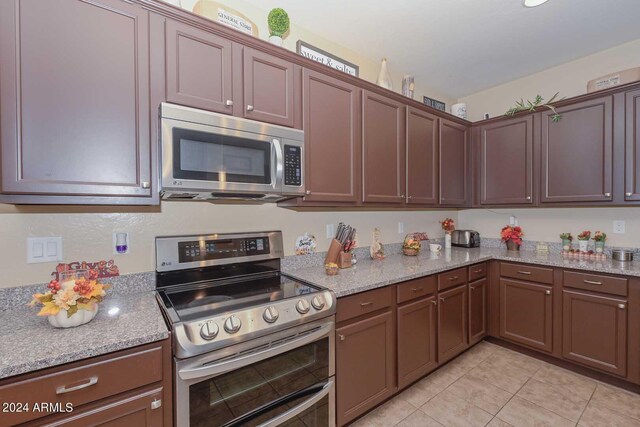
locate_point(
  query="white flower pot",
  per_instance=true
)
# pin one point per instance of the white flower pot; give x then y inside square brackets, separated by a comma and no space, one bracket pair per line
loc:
[277,40]
[583,245]
[78,318]
[447,241]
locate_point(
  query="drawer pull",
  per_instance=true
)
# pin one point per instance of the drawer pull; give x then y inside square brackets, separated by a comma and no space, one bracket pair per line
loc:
[591,282]
[472,288]
[442,299]
[434,302]
[527,273]
[365,304]
[156,403]
[547,292]
[453,278]
[621,306]
[342,338]
[417,289]
[477,271]
[63,389]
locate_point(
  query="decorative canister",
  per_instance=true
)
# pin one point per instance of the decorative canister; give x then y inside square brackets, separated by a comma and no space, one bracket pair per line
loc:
[512,246]
[566,245]
[583,245]
[599,247]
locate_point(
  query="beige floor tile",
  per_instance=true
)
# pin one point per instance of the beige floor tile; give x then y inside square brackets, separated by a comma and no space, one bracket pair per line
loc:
[622,401]
[555,398]
[497,422]
[504,376]
[480,393]
[419,419]
[596,416]
[425,389]
[388,414]
[511,358]
[578,384]
[452,411]
[522,413]
[482,350]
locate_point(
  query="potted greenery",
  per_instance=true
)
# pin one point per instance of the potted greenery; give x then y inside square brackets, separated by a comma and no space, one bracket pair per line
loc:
[566,238]
[583,240]
[278,21]
[599,238]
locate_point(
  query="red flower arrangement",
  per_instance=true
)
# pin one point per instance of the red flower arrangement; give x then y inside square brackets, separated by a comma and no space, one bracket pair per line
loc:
[448,225]
[511,233]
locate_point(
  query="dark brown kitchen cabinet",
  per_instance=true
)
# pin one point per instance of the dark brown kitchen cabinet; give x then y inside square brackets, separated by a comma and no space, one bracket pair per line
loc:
[453,163]
[416,340]
[332,139]
[577,153]
[422,158]
[452,323]
[526,315]
[269,87]
[365,365]
[506,162]
[477,310]
[595,331]
[632,146]
[383,158]
[198,68]
[75,103]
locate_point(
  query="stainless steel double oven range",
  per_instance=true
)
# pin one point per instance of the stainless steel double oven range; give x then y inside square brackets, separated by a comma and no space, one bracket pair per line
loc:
[252,347]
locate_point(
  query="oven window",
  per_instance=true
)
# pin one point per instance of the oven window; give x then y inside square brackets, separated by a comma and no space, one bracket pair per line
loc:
[260,392]
[221,158]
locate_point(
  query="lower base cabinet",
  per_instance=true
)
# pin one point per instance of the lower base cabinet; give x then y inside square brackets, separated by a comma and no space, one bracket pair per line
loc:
[417,329]
[452,323]
[477,310]
[594,331]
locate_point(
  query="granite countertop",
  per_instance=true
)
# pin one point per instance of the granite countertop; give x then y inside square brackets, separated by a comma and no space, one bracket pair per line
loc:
[29,343]
[371,274]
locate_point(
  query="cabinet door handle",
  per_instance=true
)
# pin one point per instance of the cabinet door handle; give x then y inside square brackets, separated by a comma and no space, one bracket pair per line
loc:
[365,304]
[63,389]
[527,273]
[472,288]
[547,292]
[607,194]
[591,282]
[249,107]
[228,103]
[341,337]
[453,278]
[434,302]
[307,192]
[410,197]
[156,403]
[146,184]
[528,197]
[441,299]
[629,194]
[621,306]
[417,289]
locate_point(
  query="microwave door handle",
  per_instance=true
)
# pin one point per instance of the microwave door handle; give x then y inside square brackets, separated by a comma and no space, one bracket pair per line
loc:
[277,172]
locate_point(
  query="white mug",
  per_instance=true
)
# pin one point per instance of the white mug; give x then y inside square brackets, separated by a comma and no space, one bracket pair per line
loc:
[434,247]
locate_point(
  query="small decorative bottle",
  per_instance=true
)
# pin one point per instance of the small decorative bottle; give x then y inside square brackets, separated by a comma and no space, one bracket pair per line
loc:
[384,79]
[447,240]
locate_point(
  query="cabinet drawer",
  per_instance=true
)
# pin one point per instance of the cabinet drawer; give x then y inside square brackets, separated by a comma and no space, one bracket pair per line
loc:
[84,384]
[363,303]
[416,288]
[596,283]
[452,278]
[477,271]
[527,272]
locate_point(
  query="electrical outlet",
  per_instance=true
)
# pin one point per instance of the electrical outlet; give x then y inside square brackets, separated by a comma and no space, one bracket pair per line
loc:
[330,231]
[400,227]
[619,227]
[44,249]
[513,220]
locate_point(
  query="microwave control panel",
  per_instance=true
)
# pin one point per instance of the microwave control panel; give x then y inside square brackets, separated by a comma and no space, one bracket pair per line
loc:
[292,165]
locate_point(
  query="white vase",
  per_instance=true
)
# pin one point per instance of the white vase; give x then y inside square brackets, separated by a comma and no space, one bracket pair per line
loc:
[384,79]
[276,40]
[583,245]
[78,318]
[447,241]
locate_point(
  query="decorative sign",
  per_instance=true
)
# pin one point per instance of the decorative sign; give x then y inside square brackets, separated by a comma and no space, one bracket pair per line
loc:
[438,105]
[235,21]
[319,55]
[104,268]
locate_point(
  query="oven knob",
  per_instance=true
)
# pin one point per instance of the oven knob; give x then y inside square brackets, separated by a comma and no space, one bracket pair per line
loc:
[209,330]
[303,306]
[270,315]
[232,324]
[317,302]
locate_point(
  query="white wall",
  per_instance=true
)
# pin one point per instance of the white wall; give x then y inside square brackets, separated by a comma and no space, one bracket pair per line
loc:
[569,79]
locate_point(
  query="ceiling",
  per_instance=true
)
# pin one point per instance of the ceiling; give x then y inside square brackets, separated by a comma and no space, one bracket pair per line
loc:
[460,47]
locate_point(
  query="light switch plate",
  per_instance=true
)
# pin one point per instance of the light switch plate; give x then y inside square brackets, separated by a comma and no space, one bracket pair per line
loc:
[44,249]
[400,227]
[330,231]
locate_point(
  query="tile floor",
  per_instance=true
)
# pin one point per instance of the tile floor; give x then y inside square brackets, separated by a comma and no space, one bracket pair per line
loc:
[496,387]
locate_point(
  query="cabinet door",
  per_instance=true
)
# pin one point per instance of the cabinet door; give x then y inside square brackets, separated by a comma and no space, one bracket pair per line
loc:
[506,162]
[332,138]
[198,68]
[452,323]
[632,146]
[383,149]
[416,340]
[477,310]
[577,153]
[454,163]
[365,365]
[526,313]
[422,158]
[75,99]
[594,331]
[268,88]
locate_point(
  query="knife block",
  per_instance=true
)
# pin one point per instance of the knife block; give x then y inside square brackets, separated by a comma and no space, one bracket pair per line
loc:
[334,251]
[344,260]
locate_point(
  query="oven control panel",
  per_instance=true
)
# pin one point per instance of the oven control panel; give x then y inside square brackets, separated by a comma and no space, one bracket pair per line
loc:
[205,250]
[292,165]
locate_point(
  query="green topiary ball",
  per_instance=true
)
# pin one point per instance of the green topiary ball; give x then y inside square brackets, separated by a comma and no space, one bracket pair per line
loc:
[278,21]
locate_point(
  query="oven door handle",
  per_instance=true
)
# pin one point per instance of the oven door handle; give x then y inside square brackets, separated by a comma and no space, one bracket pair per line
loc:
[277,171]
[206,370]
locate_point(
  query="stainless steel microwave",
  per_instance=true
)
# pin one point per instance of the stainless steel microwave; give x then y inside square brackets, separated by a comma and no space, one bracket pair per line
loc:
[209,156]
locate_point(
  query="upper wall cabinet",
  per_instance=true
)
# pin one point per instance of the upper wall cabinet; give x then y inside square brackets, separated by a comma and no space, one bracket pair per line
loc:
[577,153]
[632,146]
[422,158]
[506,162]
[383,149]
[332,139]
[198,70]
[454,163]
[75,102]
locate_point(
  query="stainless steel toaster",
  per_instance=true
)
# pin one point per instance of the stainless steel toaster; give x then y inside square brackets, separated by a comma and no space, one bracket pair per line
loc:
[465,238]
